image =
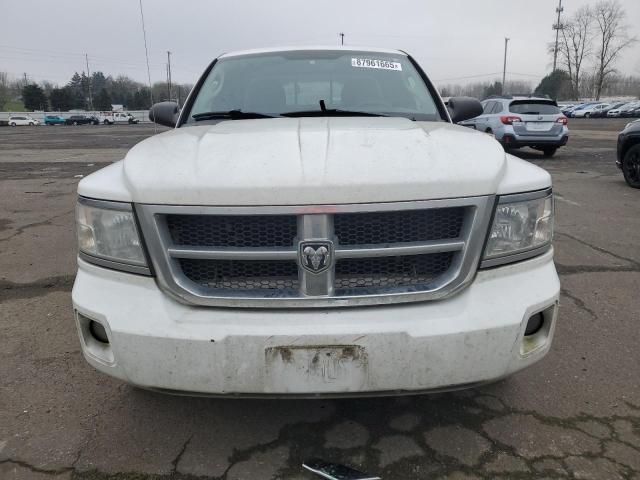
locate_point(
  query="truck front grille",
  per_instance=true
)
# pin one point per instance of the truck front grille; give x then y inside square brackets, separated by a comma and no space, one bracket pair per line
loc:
[232,230]
[397,227]
[320,256]
[241,274]
[391,272]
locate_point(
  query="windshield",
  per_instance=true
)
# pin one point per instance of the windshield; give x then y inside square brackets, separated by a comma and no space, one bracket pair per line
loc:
[287,82]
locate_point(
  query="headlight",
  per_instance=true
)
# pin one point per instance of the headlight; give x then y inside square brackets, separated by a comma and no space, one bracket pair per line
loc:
[522,228]
[108,235]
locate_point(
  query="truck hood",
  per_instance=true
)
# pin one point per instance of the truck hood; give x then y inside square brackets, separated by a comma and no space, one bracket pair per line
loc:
[301,161]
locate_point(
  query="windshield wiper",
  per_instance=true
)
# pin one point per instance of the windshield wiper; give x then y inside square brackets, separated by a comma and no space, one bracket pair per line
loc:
[231,114]
[330,112]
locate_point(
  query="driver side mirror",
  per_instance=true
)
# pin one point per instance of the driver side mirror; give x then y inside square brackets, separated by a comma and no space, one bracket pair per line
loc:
[165,113]
[463,108]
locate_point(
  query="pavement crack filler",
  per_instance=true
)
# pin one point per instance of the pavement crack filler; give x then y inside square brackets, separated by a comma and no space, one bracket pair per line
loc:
[34,469]
[176,460]
[633,261]
[578,302]
[19,291]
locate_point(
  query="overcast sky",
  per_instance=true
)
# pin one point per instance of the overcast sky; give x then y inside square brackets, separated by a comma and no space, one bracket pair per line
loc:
[451,39]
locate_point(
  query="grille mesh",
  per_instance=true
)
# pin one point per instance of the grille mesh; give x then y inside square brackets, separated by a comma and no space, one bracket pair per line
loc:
[389,272]
[242,274]
[398,227]
[232,230]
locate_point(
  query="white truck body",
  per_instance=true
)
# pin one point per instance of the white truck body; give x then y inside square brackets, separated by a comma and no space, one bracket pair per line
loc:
[317,333]
[111,118]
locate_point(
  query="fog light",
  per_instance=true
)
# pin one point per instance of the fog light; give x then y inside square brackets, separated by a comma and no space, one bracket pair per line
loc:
[534,324]
[98,332]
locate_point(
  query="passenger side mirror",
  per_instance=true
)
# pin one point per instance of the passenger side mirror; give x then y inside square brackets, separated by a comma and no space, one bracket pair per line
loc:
[165,113]
[463,108]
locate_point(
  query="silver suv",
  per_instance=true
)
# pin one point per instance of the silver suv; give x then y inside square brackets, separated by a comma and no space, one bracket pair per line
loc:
[523,122]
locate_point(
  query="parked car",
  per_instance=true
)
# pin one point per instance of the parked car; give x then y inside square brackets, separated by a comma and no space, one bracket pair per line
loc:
[615,112]
[54,120]
[627,110]
[264,245]
[110,118]
[632,112]
[628,154]
[604,112]
[82,120]
[572,112]
[21,120]
[590,110]
[523,122]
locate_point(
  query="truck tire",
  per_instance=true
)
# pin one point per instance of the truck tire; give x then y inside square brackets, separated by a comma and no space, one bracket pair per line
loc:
[12,124]
[549,152]
[631,166]
[106,122]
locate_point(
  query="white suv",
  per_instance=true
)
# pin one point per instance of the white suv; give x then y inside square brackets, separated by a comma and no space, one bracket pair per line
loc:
[315,224]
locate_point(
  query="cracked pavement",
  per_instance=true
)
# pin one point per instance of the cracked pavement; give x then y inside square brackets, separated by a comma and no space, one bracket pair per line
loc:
[574,415]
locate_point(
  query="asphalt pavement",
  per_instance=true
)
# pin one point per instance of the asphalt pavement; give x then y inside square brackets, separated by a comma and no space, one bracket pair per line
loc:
[576,414]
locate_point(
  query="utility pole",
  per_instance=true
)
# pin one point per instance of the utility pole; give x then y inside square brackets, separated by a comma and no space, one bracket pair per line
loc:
[557,27]
[504,67]
[86,57]
[169,73]
[341,38]
[25,78]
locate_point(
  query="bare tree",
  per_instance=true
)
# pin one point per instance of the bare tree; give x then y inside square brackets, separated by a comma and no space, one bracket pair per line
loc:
[575,45]
[612,40]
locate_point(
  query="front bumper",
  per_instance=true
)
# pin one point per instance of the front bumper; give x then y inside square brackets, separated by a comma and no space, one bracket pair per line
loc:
[518,141]
[473,337]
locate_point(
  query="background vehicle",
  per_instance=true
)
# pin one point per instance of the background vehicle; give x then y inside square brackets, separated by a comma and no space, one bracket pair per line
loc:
[523,122]
[615,111]
[627,110]
[589,110]
[628,157]
[633,111]
[604,112]
[18,120]
[82,120]
[572,112]
[109,118]
[54,120]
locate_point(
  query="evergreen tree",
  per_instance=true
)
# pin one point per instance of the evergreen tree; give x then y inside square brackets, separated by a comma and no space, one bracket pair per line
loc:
[103,101]
[33,97]
[556,85]
[61,99]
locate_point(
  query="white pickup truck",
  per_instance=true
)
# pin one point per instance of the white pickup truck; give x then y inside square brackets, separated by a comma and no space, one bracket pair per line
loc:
[110,118]
[315,224]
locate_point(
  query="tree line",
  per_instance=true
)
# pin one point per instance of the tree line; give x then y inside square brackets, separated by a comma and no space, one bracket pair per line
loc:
[97,92]
[590,45]
[591,42]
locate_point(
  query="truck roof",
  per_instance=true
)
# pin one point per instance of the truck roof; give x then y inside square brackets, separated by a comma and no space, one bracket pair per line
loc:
[347,48]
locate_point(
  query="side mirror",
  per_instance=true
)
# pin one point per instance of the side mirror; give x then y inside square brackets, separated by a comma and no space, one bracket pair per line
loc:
[463,108]
[165,113]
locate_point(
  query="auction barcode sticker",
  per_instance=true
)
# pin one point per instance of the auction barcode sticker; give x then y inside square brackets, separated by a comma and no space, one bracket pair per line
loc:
[374,63]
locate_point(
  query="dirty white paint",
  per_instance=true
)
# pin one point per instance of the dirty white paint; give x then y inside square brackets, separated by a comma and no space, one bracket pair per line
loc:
[311,161]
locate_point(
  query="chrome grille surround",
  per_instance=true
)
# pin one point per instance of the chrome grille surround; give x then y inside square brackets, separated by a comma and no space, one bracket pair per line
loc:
[316,223]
